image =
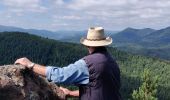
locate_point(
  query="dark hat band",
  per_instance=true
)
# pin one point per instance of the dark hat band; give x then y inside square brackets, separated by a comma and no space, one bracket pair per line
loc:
[96,39]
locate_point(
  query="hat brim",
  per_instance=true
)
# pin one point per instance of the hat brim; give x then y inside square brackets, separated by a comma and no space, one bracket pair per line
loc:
[87,42]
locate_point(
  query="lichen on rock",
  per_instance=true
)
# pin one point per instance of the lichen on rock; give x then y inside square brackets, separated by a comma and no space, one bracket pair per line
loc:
[19,83]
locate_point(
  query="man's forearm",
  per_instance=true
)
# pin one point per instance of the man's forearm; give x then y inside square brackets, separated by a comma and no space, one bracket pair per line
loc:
[39,69]
[74,93]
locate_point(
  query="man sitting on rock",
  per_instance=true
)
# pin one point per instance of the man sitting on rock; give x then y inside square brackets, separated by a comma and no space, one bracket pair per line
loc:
[97,74]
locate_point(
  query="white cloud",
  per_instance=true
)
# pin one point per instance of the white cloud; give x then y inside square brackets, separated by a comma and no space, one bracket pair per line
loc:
[58,24]
[21,3]
[127,12]
[93,4]
[19,6]
[112,14]
[71,17]
[59,2]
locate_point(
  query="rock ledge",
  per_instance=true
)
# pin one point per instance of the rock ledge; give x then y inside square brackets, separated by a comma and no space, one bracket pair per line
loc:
[18,83]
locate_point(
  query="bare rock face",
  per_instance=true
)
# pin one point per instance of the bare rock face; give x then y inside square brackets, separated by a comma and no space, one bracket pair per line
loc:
[18,83]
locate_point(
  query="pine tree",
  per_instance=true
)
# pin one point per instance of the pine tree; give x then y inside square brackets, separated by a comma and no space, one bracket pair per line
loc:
[148,89]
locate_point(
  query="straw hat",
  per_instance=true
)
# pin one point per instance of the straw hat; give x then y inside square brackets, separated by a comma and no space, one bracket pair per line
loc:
[96,37]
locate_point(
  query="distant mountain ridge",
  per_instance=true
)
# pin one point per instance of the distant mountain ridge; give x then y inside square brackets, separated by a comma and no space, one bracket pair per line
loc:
[65,36]
[131,34]
[144,37]
[160,37]
[58,35]
[43,33]
[144,41]
[149,42]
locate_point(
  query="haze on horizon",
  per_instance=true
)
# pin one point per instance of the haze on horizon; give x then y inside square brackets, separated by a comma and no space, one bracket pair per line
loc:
[80,14]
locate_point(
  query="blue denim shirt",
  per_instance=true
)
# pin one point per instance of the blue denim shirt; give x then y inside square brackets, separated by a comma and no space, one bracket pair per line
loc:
[76,73]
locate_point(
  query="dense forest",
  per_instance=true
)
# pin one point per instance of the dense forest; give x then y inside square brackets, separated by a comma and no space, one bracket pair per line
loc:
[45,51]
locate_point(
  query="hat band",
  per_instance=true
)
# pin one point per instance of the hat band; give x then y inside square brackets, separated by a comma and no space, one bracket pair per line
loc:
[96,39]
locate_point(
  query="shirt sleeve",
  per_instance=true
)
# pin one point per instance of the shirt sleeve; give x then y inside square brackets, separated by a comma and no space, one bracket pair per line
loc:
[76,73]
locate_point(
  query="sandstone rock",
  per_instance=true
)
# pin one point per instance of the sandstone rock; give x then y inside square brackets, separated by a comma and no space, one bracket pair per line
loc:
[18,83]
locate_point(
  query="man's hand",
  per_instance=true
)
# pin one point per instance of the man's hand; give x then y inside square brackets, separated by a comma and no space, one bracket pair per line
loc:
[39,69]
[24,61]
[70,93]
[66,91]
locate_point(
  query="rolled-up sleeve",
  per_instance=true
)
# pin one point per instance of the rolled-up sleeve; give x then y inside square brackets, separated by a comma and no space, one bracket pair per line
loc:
[76,73]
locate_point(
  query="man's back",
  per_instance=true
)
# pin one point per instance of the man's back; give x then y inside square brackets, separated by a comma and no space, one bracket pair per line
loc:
[104,77]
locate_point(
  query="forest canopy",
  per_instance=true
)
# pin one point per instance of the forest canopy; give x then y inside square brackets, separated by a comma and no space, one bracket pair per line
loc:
[45,51]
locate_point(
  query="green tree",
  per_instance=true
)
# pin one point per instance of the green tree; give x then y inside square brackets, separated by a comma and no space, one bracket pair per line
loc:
[148,89]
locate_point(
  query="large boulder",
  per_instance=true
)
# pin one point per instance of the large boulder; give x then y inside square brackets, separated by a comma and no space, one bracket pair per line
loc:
[19,83]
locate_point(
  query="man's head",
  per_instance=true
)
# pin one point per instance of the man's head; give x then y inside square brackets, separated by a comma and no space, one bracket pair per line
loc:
[95,39]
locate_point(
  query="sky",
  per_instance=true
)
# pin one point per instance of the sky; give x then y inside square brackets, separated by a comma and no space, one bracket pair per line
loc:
[81,14]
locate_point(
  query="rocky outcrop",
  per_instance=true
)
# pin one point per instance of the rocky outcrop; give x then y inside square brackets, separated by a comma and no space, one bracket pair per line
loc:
[19,83]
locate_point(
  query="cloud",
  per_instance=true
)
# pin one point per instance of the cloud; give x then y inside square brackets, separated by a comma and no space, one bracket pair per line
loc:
[127,12]
[93,4]
[70,17]
[59,2]
[81,14]
[24,5]
[59,25]
[117,8]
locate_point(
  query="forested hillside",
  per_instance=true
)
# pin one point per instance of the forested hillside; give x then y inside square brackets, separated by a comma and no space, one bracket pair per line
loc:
[44,51]
[149,42]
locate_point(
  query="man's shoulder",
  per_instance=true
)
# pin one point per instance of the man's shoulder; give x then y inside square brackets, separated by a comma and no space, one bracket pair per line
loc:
[95,58]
